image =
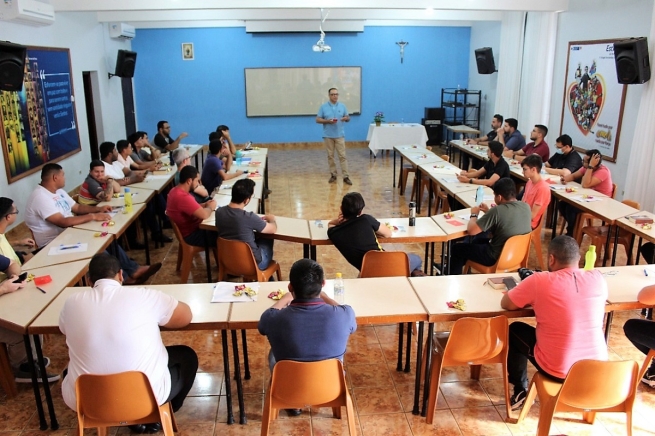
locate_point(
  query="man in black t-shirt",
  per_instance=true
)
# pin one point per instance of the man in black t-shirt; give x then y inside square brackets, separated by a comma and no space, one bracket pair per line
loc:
[355,234]
[496,123]
[495,169]
[163,140]
[566,160]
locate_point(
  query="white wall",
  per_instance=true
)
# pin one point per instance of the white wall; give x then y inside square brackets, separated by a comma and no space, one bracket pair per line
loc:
[91,50]
[485,34]
[601,19]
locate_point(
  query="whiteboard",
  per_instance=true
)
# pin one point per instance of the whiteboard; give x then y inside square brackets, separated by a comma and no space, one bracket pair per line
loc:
[274,92]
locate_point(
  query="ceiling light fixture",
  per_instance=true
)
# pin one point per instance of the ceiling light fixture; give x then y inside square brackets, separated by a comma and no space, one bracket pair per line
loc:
[321,46]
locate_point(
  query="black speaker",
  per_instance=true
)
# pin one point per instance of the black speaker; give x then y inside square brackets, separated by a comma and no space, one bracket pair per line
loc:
[484,57]
[125,63]
[434,113]
[12,66]
[631,59]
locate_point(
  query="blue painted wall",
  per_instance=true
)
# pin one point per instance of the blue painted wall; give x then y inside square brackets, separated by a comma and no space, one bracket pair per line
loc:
[196,96]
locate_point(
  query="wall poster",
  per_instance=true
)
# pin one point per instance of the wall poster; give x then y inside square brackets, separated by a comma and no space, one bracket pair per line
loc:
[592,109]
[39,123]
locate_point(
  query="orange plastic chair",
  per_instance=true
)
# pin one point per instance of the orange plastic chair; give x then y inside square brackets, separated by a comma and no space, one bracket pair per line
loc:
[119,399]
[6,374]
[535,241]
[236,258]
[514,256]
[185,254]
[598,235]
[298,384]
[582,392]
[385,264]
[474,342]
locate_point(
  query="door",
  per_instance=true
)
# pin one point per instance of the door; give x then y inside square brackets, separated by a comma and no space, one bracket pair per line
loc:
[128,106]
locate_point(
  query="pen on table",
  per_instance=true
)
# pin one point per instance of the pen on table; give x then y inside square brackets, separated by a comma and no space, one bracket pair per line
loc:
[645,272]
[41,289]
[68,247]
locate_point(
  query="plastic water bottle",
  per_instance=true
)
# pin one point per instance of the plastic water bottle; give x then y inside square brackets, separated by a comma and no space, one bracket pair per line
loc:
[128,200]
[590,258]
[338,289]
[412,214]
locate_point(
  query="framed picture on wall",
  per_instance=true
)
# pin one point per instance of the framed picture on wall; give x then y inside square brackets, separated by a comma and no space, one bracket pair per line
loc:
[38,124]
[187,51]
[592,109]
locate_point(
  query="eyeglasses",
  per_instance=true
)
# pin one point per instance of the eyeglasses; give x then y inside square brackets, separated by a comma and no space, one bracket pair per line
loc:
[333,94]
[14,213]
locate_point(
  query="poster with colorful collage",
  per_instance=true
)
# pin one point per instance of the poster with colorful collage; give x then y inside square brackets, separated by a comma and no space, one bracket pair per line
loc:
[39,123]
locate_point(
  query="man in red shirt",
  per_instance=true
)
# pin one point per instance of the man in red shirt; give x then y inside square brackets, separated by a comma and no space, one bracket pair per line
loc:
[537,146]
[537,190]
[186,213]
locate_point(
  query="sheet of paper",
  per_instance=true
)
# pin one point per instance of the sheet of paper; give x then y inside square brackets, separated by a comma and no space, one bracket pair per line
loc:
[68,249]
[558,187]
[582,199]
[449,180]
[464,217]
[449,171]
[224,293]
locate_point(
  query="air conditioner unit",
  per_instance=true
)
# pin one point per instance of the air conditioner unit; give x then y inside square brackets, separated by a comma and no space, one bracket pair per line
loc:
[121,31]
[30,12]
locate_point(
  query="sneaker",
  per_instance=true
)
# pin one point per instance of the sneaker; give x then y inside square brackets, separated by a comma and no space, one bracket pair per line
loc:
[347,181]
[518,399]
[649,378]
[26,376]
[333,179]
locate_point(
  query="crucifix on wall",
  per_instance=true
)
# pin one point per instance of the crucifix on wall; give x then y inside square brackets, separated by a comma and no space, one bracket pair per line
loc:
[402,45]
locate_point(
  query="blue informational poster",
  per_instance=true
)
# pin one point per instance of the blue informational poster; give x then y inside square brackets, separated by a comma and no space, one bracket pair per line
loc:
[39,123]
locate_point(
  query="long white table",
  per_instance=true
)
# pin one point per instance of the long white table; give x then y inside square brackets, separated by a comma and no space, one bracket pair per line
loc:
[386,136]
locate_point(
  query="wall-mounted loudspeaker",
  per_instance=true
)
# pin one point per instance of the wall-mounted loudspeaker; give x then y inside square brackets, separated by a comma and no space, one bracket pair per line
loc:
[484,57]
[12,66]
[631,59]
[125,63]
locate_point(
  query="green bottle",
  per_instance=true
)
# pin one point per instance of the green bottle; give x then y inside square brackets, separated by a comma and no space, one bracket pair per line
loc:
[590,258]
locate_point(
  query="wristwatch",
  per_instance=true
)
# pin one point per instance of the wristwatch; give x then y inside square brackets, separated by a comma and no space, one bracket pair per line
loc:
[473,215]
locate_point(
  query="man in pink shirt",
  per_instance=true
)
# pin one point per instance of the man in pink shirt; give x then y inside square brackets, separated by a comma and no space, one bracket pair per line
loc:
[187,214]
[537,190]
[594,175]
[538,145]
[569,305]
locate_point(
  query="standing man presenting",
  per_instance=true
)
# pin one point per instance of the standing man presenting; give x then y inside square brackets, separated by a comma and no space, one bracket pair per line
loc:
[332,115]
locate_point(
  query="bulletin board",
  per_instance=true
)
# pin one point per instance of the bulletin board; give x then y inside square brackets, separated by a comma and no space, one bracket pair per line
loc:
[39,123]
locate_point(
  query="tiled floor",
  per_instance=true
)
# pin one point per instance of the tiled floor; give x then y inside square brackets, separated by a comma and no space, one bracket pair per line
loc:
[383,397]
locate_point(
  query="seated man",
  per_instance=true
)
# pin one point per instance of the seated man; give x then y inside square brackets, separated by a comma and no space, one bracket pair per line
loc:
[186,213]
[163,140]
[594,175]
[15,342]
[234,223]
[111,329]
[569,305]
[355,234]
[495,169]
[537,190]
[132,159]
[142,151]
[538,145]
[114,169]
[224,132]
[566,160]
[181,158]
[496,124]
[306,325]
[50,210]
[510,136]
[97,186]
[213,172]
[641,332]
[509,218]
[8,215]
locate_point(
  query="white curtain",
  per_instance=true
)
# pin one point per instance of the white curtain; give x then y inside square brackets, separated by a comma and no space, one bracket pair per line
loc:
[641,177]
[510,60]
[537,71]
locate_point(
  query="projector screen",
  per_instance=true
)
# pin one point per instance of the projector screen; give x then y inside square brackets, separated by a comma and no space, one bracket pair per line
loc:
[275,92]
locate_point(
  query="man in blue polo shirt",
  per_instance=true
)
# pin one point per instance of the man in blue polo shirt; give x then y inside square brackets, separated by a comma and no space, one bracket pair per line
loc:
[332,115]
[305,324]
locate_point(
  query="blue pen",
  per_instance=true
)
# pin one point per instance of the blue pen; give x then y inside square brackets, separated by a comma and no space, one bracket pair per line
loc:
[68,247]
[645,272]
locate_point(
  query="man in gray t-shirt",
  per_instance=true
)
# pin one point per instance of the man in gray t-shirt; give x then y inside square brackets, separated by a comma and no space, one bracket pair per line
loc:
[234,223]
[509,218]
